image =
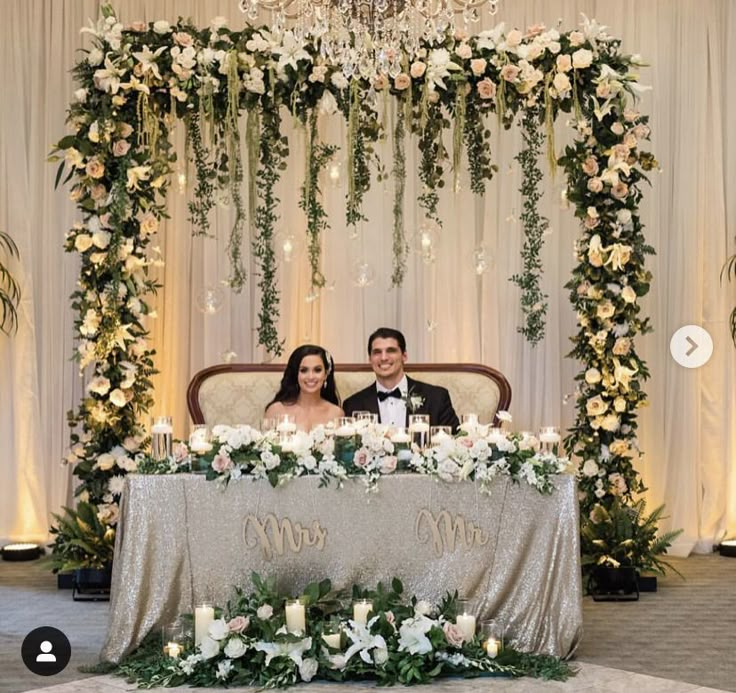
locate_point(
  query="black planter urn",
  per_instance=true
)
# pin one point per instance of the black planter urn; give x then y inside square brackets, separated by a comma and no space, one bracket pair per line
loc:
[613,584]
[92,584]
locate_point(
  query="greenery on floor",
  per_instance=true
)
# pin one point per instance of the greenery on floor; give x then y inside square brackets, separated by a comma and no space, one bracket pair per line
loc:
[402,641]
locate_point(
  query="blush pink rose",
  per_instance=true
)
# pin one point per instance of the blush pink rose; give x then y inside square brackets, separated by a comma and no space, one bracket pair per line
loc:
[221,463]
[95,168]
[590,166]
[564,63]
[125,129]
[595,185]
[534,30]
[360,458]
[466,441]
[138,25]
[380,82]
[388,464]
[390,617]
[464,51]
[98,192]
[576,38]
[238,624]
[454,636]
[417,69]
[183,38]
[620,190]
[509,73]
[402,81]
[478,66]
[486,89]
[120,147]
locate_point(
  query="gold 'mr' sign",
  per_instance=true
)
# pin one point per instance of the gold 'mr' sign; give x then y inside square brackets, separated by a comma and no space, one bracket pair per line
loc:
[445,532]
[275,536]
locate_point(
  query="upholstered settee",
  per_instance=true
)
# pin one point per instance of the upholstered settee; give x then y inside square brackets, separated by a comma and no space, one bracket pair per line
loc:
[238,393]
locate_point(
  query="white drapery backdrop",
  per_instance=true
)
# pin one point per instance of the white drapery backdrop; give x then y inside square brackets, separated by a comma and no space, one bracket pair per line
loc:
[447,312]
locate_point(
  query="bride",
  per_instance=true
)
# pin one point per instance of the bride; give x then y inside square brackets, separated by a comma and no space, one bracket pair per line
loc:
[307,391]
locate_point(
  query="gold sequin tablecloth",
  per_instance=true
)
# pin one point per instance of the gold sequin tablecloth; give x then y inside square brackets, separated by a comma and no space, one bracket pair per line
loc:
[183,540]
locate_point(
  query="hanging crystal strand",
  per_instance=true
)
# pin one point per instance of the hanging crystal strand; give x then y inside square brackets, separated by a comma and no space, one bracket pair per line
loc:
[493,7]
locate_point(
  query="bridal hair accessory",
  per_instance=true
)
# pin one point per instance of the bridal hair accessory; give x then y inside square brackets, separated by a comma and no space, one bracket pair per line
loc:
[330,362]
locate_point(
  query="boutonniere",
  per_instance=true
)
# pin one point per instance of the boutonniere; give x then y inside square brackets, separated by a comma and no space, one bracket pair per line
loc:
[413,402]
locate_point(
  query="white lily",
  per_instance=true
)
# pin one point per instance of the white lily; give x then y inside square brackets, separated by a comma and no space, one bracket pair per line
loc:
[290,52]
[292,650]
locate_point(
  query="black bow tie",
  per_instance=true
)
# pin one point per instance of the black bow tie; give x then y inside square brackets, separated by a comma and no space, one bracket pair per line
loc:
[383,395]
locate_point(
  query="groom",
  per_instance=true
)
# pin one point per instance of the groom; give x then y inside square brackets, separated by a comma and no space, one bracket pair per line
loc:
[394,396]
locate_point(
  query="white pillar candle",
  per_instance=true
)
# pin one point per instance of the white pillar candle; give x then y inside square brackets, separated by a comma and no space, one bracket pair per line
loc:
[203,616]
[296,619]
[361,610]
[466,623]
[333,640]
[419,427]
[549,438]
[345,431]
[162,428]
[400,438]
[492,648]
[286,427]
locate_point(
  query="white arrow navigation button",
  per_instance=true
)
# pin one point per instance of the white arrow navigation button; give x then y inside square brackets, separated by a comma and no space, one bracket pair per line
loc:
[691,346]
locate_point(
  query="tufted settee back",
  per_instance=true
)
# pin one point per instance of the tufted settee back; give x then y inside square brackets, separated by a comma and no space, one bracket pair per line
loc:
[238,393]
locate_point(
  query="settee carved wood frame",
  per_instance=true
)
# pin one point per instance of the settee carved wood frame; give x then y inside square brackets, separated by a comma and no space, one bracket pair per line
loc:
[195,411]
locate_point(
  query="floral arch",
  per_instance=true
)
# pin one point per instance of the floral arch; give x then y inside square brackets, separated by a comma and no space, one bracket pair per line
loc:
[138,79]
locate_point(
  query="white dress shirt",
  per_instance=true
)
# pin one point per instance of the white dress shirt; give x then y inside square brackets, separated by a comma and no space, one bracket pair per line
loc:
[392,410]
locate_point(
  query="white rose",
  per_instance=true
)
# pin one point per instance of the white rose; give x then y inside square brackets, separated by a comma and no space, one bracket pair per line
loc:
[105,462]
[380,655]
[117,397]
[83,242]
[592,376]
[623,216]
[101,239]
[590,468]
[561,83]
[308,668]
[235,648]
[264,612]
[218,629]
[99,385]
[628,294]
[210,648]
[582,58]
[161,27]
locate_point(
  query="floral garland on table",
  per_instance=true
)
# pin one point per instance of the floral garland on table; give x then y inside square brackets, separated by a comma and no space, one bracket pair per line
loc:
[137,78]
[369,454]
[403,642]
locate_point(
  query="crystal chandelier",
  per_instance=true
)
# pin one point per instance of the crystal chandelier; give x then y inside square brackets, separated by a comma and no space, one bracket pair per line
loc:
[369,37]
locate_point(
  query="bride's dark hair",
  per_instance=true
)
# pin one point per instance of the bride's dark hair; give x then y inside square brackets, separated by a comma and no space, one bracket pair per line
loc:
[289,388]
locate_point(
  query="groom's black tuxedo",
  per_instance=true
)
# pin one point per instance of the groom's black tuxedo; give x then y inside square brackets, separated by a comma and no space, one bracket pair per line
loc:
[435,402]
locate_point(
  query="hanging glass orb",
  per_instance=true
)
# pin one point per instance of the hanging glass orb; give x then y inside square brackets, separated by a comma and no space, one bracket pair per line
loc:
[228,356]
[287,247]
[334,173]
[362,274]
[209,299]
[481,260]
[426,241]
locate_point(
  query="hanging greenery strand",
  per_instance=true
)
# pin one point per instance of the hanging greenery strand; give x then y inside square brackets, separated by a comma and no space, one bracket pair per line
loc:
[318,156]
[400,245]
[533,300]
[203,199]
[273,152]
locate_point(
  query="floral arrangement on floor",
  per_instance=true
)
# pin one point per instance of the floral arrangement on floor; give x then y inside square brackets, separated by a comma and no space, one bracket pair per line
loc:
[479,453]
[138,78]
[403,641]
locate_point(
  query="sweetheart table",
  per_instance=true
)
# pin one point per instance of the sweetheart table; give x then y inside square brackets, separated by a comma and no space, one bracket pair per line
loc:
[183,540]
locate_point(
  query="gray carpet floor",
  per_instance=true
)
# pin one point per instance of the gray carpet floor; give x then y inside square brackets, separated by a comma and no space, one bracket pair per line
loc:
[684,632]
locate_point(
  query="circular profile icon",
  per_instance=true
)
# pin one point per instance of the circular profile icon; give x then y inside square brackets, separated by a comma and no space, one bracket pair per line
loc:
[46,651]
